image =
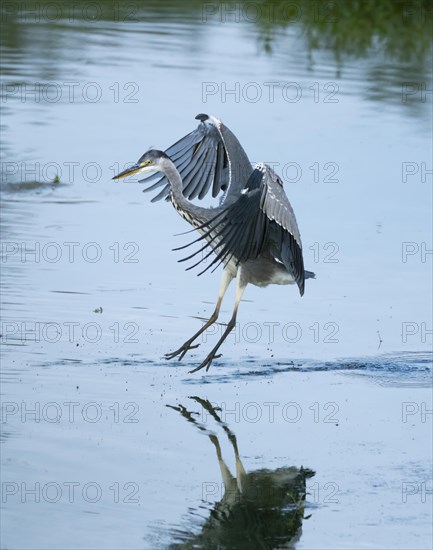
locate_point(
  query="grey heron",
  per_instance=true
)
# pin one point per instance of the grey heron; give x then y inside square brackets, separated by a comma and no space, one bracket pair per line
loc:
[253,232]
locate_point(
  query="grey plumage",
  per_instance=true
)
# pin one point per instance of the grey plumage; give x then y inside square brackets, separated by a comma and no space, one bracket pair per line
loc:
[253,232]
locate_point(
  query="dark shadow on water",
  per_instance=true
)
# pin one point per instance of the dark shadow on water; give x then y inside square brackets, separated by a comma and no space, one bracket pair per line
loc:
[414,369]
[36,186]
[259,509]
[397,369]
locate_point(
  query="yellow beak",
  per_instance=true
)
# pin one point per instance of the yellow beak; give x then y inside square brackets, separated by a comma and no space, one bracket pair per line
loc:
[128,172]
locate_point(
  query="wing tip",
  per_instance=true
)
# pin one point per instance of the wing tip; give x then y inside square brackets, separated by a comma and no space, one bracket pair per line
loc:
[301,283]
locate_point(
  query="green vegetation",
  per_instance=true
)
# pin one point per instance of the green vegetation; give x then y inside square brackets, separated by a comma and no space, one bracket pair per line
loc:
[402,29]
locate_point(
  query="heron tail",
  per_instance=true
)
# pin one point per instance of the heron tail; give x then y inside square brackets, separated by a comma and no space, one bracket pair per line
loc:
[310,275]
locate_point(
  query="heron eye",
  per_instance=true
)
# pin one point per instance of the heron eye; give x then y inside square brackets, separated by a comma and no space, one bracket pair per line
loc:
[146,163]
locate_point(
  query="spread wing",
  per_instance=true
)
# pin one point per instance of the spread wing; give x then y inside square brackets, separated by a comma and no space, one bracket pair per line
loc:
[208,158]
[284,240]
[260,220]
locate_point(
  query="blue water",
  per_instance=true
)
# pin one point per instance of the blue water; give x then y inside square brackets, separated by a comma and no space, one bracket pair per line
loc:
[93,296]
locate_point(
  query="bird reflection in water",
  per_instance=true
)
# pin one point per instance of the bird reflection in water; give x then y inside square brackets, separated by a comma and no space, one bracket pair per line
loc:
[263,509]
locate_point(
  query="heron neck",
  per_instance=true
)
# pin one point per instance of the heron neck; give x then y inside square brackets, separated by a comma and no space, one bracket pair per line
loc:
[175,182]
[195,215]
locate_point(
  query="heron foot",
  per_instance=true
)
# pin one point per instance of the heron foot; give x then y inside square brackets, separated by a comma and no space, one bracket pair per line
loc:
[181,351]
[207,362]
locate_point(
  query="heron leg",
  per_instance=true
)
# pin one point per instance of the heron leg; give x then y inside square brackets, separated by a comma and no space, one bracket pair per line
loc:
[240,288]
[226,279]
[228,479]
[241,474]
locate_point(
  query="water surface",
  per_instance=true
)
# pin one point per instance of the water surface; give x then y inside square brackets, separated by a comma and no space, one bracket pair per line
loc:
[336,383]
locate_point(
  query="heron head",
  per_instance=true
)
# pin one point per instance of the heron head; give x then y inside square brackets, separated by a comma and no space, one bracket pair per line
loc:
[151,161]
